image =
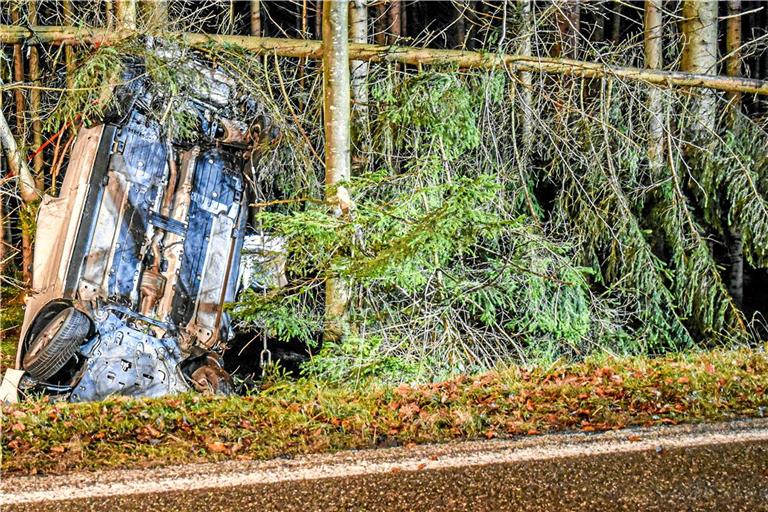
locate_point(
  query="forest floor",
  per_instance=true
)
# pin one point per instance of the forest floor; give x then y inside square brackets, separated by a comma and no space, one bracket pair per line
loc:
[292,417]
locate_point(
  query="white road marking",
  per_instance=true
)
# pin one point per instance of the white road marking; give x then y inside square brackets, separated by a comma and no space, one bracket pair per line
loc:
[17,490]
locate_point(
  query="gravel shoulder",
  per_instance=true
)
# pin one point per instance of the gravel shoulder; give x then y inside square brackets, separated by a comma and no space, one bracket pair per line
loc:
[695,454]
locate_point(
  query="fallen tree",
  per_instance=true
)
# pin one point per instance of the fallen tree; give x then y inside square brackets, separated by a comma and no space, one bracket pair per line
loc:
[10,34]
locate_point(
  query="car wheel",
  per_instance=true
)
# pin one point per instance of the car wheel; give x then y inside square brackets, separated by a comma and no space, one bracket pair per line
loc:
[56,343]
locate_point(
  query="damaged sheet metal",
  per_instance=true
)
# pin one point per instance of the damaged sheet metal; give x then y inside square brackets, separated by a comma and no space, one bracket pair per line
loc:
[123,361]
[262,262]
[142,248]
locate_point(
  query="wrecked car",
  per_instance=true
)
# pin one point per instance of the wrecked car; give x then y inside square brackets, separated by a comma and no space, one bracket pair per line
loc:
[137,256]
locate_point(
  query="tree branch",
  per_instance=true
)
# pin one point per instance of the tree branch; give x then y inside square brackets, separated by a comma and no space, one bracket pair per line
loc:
[404,54]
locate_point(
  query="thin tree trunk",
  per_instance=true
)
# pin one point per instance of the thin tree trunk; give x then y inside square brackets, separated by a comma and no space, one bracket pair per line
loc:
[524,98]
[16,161]
[394,22]
[526,80]
[598,31]
[568,22]
[155,13]
[358,27]
[733,68]
[35,100]
[4,246]
[125,12]
[653,46]
[69,54]
[403,19]
[27,191]
[336,112]
[379,24]
[319,19]
[109,11]
[733,47]
[18,77]
[699,27]
[4,252]
[615,24]
[461,23]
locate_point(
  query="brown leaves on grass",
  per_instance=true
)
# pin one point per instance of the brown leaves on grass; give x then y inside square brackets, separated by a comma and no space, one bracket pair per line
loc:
[307,416]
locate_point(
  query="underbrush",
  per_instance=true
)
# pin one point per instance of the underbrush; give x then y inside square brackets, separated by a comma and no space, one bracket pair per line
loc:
[11,317]
[288,418]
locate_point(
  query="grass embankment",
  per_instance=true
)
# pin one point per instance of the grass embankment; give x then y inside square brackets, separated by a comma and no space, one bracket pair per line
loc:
[307,416]
[11,317]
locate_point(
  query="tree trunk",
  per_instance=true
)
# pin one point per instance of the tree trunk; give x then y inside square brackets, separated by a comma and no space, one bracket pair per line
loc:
[18,77]
[526,81]
[699,28]
[733,47]
[380,24]
[17,164]
[523,91]
[568,22]
[733,68]
[69,54]
[394,22]
[615,23]
[255,18]
[125,12]
[35,100]
[461,23]
[155,13]
[358,26]
[598,30]
[4,252]
[653,46]
[336,114]
[27,190]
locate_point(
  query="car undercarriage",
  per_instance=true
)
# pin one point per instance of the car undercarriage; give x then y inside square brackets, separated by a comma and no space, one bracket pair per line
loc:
[138,255]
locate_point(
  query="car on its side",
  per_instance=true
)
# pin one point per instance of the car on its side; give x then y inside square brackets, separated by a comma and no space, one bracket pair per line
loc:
[137,256]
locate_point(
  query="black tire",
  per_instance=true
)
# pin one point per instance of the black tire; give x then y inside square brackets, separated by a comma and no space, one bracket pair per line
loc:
[56,343]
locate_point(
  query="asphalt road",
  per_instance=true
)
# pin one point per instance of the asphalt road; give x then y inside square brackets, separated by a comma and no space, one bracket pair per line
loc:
[708,467]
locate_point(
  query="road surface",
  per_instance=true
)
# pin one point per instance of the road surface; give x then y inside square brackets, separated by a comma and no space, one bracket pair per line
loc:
[705,467]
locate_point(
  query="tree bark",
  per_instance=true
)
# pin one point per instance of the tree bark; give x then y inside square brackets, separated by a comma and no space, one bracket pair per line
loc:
[733,68]
[255,18]
[568,22]
[18,77]
[394,24]
[410,55]
[69,54]
[699,28]
[733,39]
[125,12]
[358,25]
[336,112]
[615,24]
[155,13]
[35,100]
[380,24]
[17,163]
[653,46]
[461,23]
[526,82]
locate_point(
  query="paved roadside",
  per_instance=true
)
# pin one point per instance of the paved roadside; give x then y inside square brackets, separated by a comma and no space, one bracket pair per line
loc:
[703,467]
